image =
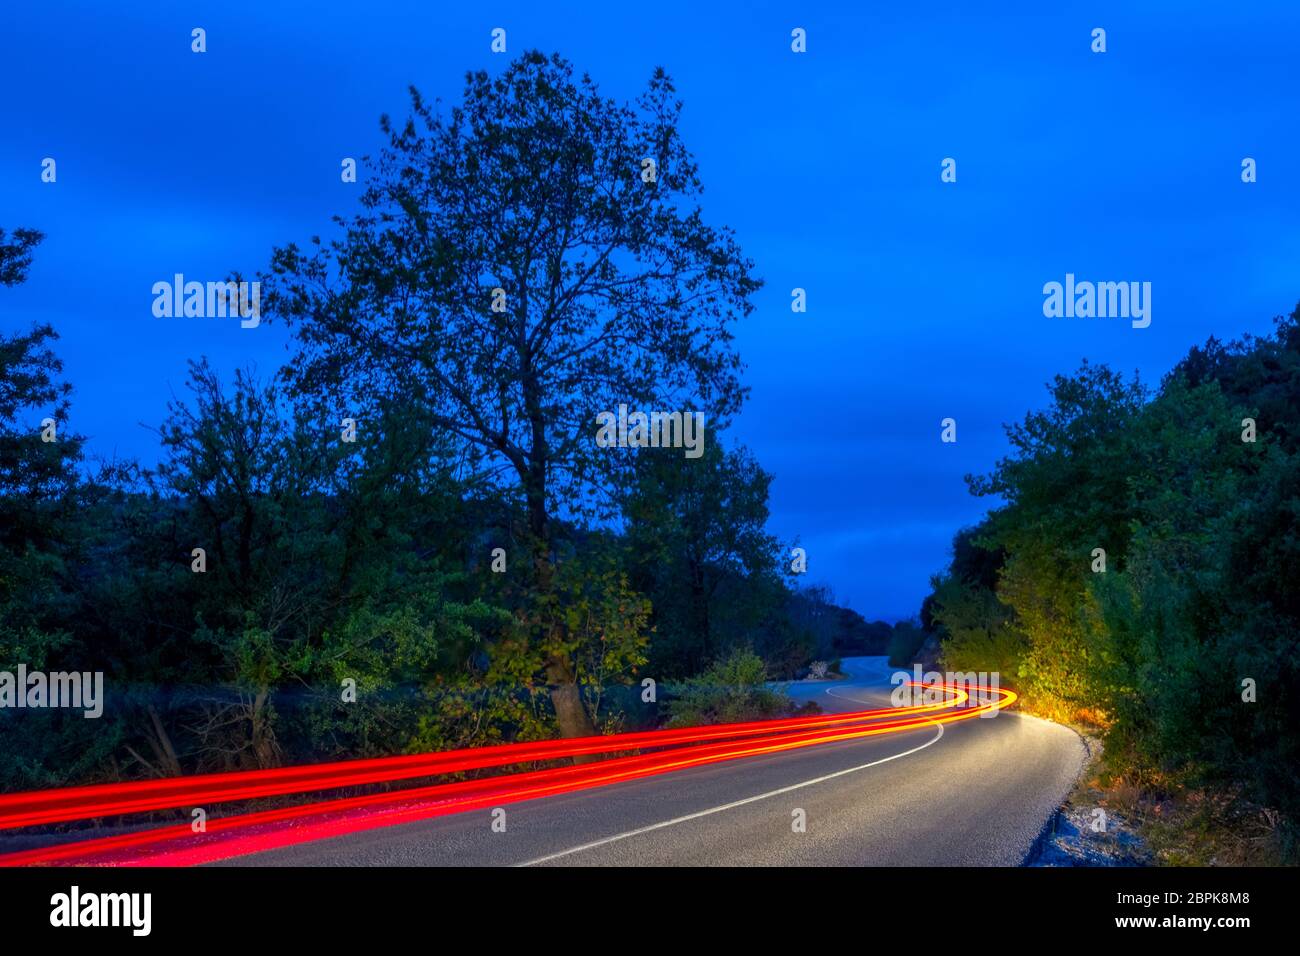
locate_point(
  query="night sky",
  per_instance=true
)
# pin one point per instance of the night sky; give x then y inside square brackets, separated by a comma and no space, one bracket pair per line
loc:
[924,298]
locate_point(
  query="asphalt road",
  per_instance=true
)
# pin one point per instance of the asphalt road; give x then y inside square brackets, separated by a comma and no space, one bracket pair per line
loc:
[972,793]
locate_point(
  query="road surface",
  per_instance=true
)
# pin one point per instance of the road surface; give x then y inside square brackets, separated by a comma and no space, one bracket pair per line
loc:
[972,793]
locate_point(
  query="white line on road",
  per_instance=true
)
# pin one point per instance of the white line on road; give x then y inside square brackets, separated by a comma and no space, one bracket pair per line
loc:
[856,700]
[729,806]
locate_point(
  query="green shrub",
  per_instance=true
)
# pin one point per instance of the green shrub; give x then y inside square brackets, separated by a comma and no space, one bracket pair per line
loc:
[734,688]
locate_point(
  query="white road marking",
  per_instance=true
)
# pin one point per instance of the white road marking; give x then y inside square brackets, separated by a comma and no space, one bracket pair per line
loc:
[856,700]
[729,806]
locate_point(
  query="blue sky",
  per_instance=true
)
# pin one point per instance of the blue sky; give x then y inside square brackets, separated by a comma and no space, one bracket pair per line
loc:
[925,298]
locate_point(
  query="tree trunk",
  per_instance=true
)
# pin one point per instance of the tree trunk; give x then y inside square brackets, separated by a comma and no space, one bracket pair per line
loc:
[561,679]
[160,742]
[266,750]
[566,698]
[700,613]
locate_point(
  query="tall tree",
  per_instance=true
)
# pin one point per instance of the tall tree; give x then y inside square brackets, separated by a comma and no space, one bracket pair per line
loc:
[522,262]
[698,540]
[38,479]
[40,542]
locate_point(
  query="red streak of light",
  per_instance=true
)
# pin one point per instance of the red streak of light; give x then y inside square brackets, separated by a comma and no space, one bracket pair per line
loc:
[37,807]
[440,800]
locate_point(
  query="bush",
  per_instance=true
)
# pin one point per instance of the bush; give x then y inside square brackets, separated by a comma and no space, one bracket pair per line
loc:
[733,689]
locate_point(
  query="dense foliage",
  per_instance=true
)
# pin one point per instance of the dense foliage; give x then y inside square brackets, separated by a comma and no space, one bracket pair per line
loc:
[327,562]
[408,539]
[1197,600]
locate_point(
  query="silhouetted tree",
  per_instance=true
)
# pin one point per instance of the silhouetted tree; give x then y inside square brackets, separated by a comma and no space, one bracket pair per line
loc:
[613,289]
[16,254]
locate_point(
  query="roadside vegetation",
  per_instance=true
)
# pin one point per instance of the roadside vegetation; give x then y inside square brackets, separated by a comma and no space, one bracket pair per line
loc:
[407,539]
[1136,575]
[736,688]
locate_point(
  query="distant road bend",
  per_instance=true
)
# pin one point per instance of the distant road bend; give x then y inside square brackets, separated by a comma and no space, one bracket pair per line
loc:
[862,784]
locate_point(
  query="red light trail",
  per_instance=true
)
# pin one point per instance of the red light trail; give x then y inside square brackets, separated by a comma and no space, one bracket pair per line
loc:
[241,834]
[84,803]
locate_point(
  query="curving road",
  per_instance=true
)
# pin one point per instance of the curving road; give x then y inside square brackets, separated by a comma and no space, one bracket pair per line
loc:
[977,792]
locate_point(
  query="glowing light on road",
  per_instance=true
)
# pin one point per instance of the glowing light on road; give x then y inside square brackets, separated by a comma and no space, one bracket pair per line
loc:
[83,803]
[241,834]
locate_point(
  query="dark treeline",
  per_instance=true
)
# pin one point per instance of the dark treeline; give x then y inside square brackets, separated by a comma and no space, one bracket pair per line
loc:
[511,274]
[326,561]
[1141,571]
